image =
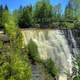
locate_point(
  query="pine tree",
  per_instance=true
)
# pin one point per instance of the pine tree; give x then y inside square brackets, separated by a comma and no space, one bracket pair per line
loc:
[1,14]
[17,14]
[43,12]
[57,12]
[25,19]
[6,15]
[76,6]
[69,11]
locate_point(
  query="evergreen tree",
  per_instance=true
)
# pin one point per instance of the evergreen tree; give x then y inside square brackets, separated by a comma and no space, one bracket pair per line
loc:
[73,9]
[13,66]
[57,12]
[17,14]
[76,6]
[25,19]
[43,12]
[69,11]
[1,14]
[6,15]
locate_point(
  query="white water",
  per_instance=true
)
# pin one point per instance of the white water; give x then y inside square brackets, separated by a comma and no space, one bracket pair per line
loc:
[75,49]
[52,44]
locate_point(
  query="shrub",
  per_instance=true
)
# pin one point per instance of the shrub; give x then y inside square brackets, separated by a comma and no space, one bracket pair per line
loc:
[77,25]
[1,44]
[14,67]
[51,67]
[4,66]
[77,78]
[20,68]
[33,51]
[68,25]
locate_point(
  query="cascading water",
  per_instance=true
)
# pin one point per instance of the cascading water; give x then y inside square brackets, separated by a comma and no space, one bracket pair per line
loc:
[75,49]
[52,44]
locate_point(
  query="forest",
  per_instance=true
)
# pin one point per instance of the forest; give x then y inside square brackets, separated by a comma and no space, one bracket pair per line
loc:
[43,15]
[17,59]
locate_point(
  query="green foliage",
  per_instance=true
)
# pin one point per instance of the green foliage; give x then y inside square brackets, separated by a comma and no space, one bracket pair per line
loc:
[14,67]
[76,6]
[68,25]
[16,42]
[13,33]
[1,15]
[25,19]
[69,11]
[77,24]
[57,13]
[4,66]
[1,44]
[6,15]
[19,39]
[10,27]
[17,14]
[20,68]
[11,78]
[43,12]
[72,10]
[51,67]
[19,63]
[33,51]
[77,78]
[72,13]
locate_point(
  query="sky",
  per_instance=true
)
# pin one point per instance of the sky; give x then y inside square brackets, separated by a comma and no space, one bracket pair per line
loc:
[15,4]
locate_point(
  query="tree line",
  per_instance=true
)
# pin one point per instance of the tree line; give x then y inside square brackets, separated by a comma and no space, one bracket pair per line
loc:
[43,15]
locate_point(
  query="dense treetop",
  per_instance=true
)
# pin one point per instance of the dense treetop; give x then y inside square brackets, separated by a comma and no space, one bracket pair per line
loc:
[43,15]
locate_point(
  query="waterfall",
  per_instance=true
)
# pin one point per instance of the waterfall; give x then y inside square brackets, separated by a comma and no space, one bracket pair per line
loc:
[75,49]
[52,44]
